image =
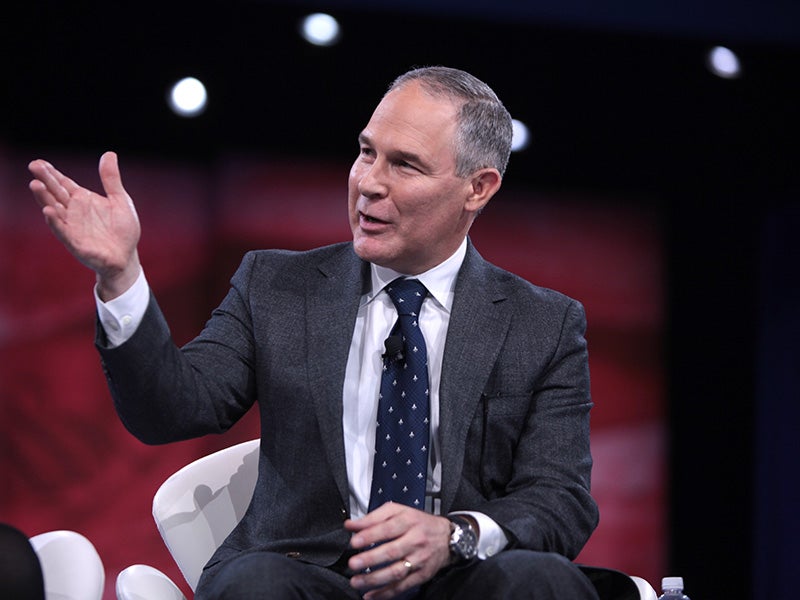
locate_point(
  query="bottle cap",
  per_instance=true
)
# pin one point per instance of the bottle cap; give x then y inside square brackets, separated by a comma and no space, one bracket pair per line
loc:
[672,583]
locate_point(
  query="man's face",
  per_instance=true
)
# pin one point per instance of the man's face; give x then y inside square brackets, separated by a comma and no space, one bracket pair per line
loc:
[406,205]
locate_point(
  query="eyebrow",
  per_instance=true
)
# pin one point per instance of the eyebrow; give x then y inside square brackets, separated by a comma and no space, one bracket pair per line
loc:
[404,155]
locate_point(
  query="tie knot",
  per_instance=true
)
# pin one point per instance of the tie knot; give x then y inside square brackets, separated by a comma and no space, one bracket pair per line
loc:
[407,295]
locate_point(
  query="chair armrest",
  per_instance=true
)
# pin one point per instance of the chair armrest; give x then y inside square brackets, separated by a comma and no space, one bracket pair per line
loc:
[646,591]
[142,582]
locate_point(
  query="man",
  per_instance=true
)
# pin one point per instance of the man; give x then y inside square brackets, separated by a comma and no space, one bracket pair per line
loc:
[506,388]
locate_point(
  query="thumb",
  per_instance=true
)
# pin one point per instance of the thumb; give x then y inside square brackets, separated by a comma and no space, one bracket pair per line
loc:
[110,176]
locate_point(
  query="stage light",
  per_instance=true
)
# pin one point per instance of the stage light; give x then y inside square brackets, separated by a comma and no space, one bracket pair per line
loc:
[188,97]
[520,136]
[320,29]
[723,62]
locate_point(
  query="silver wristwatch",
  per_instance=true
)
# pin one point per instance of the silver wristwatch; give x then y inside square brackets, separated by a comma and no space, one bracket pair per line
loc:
[463,539]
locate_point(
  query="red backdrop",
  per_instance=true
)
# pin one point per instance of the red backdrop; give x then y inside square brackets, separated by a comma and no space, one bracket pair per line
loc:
[67,462]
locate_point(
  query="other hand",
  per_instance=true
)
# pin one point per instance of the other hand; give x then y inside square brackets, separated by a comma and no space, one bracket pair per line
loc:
[402,547]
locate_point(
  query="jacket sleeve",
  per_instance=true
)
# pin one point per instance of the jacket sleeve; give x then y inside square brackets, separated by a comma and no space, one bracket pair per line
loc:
[163,393]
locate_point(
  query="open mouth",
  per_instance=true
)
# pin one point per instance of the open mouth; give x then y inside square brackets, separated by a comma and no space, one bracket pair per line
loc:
[369,219]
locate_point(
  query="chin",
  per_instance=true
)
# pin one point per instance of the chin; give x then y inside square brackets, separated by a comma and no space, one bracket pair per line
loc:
[366,250]
[371,251]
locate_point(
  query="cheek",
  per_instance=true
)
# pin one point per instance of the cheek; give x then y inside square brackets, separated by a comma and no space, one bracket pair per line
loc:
[356,173]
[431,208]
[352,192]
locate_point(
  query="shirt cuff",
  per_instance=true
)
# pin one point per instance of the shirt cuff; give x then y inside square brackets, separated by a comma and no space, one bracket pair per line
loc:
[121,316]
[491,538]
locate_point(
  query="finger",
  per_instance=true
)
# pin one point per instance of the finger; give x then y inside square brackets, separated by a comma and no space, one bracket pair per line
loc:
[389,580]
[376,557]
[59,185]
[55,219]
[404,548]
[378,533]
[110,176]
[45,187]
[58,212]
[382,513]
[42,195]
[383,523]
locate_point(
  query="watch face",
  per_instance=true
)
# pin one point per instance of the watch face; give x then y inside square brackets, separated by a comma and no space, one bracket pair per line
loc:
[470,544]
[463,541]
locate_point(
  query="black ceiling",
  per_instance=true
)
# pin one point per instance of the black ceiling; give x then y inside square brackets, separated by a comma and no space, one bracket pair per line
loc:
[770,21]
[605,104]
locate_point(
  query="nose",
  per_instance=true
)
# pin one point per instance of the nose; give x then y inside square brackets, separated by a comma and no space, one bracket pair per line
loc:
[372,181]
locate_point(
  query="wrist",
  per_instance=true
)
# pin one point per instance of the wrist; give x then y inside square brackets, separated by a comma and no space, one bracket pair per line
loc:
[113,284]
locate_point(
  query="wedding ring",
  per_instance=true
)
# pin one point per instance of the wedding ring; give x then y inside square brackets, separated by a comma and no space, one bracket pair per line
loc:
[408,565]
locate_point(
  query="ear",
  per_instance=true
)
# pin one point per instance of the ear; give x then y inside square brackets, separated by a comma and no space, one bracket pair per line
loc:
[484,184]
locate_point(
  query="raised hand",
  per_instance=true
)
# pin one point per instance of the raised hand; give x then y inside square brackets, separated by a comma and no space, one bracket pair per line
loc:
[102,232]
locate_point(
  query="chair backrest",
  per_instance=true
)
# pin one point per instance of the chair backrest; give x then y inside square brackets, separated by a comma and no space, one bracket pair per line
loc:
[197,507]
[71,566]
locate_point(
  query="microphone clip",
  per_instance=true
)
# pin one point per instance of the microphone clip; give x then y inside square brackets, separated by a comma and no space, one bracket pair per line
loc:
[394,348]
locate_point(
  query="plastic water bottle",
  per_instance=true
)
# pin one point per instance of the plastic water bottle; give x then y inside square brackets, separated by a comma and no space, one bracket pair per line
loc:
[672,589]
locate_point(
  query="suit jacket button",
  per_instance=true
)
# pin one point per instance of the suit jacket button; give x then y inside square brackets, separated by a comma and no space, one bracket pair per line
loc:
[293,554]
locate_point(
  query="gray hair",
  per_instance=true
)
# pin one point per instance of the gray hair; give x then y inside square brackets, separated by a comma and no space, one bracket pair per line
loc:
[483,134]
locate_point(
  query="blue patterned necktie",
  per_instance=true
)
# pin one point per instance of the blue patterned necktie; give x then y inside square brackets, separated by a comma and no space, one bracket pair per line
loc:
[401,438]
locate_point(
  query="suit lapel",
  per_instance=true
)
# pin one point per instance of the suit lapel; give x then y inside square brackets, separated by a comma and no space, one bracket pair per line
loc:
[478,323]
[333,292]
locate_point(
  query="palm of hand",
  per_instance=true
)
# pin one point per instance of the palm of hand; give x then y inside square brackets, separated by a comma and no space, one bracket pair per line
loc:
[102,232]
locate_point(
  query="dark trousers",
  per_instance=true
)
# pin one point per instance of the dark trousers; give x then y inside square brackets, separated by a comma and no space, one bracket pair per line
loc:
[515,574]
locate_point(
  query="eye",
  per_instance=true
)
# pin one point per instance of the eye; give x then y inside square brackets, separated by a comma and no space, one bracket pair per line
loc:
[406,165]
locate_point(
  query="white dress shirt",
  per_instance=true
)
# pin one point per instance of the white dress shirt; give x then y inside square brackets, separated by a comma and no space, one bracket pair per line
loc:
[376,315]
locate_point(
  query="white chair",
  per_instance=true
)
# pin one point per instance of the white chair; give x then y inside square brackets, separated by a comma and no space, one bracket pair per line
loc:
[195,510]
[71,566]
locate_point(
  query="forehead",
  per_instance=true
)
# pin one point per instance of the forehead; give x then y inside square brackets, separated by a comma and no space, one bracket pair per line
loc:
[412,116]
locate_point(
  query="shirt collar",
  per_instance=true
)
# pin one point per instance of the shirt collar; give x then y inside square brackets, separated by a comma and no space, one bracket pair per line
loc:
[440,280]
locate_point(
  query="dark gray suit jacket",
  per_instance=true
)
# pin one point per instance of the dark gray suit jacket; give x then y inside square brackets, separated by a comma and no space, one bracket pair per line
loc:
[514,399]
